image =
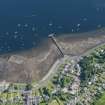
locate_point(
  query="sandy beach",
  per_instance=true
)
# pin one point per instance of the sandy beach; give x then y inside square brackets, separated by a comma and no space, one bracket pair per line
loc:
[34,64]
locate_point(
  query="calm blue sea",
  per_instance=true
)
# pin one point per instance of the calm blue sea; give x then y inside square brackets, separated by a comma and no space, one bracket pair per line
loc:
[25,23]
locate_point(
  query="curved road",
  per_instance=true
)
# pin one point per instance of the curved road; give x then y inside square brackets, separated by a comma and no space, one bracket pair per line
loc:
[56,65]
[51,72]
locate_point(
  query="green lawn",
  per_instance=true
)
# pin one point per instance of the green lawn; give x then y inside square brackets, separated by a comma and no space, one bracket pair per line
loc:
[101,101]
[54,102]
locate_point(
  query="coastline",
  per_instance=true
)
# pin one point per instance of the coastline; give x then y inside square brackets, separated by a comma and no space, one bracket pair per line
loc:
[36,63]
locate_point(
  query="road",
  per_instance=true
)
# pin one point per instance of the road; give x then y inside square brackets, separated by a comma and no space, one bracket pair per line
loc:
[56,65]
[51,72]
[92,49]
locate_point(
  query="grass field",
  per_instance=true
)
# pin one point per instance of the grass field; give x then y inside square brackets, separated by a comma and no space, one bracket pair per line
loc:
[101,101]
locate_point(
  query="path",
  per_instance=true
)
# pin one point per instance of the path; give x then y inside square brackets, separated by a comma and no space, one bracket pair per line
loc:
[51,73]
[56,65]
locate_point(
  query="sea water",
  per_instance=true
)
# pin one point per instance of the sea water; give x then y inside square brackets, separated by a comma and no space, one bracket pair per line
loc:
[25,23]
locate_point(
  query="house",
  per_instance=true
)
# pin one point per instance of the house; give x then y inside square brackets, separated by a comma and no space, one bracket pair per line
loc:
[4,85]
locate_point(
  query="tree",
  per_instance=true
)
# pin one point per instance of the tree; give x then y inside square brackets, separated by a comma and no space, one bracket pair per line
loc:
[28,87]
[87,69]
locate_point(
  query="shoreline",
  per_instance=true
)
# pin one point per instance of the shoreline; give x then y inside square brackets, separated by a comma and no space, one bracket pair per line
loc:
[62,37]
[36,63]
